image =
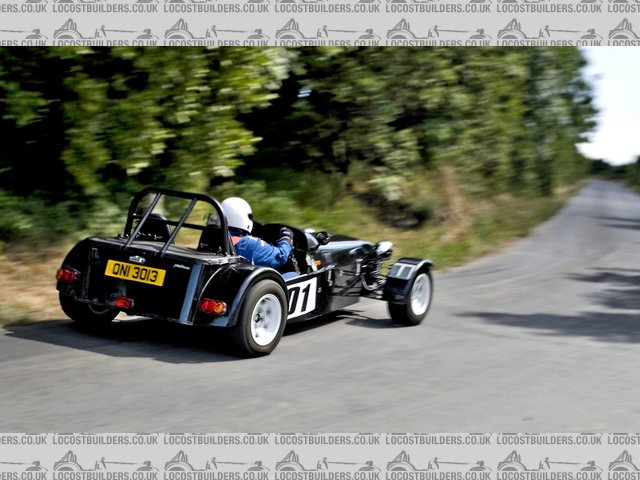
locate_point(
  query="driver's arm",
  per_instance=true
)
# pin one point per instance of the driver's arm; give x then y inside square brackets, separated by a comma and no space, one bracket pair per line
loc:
[263,253]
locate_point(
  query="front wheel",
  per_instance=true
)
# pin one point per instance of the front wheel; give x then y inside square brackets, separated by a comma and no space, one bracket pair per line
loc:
[85,314]
[418,302]
[262,319]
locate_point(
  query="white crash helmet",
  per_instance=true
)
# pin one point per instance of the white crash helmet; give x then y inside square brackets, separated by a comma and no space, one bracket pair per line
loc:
[238,213]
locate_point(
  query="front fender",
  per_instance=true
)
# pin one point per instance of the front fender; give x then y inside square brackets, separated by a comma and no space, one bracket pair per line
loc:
[400,278]
[231,285]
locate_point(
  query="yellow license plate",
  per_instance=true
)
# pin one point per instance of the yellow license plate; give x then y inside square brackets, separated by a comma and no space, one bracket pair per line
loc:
[135,273]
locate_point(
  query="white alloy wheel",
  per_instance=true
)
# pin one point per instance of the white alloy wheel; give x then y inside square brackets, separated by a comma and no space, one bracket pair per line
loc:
[266,319]
[420,295]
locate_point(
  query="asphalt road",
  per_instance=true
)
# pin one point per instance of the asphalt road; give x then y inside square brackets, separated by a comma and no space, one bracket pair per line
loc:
[543,336]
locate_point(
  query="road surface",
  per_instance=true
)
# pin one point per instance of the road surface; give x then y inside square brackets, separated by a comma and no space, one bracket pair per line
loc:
[543,336]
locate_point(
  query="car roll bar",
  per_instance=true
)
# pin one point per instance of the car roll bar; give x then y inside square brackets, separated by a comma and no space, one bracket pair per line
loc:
[159,193]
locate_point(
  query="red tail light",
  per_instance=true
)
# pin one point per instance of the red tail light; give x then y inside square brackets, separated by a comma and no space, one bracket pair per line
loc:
[66,275]
[212,306]
[123,303]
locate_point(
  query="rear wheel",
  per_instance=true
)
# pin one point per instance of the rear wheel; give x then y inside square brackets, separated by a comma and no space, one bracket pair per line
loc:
[262,319]
[85,314]
[418,301]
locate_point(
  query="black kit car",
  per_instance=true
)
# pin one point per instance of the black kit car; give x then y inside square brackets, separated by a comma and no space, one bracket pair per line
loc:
[144,272]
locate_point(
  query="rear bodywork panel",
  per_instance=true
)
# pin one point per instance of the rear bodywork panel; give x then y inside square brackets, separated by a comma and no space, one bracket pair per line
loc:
[188,275]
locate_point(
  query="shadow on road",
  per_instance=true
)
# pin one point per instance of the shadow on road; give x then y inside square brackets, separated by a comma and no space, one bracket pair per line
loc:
[620,299]
[163,341]
[621,222]
[149,338]
[607,325]
[299,327]
[352,318]
[625,295]
[362,321]
[624,277]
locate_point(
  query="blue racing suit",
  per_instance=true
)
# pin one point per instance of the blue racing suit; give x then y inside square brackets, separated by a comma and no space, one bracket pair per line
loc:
[259,252]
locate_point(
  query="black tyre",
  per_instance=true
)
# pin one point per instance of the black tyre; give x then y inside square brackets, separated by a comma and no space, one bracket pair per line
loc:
[418,302]
[86,314]
[262,319]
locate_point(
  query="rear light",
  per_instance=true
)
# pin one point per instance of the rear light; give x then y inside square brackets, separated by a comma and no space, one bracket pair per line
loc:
[212,306]
[66,275]
[123,303]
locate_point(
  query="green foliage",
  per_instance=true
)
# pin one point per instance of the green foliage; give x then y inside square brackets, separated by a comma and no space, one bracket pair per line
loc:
[293,131]
[633,173]
[506,119]
[628,173]
[90,126]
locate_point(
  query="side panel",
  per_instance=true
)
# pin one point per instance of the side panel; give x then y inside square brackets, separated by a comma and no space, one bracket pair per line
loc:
[345,284]
[303,296]
[309,296]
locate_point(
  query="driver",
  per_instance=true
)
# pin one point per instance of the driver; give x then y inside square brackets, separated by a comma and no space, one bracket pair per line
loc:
[256,250]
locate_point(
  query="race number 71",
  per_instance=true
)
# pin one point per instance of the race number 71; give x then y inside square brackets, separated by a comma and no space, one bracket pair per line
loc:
[302,297]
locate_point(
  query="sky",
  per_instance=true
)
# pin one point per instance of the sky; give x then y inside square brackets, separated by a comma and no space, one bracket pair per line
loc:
[615,74]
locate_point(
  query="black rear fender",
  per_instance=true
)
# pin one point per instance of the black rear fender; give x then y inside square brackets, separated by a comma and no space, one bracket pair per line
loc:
[76,259]
[231,285]
[401,276]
